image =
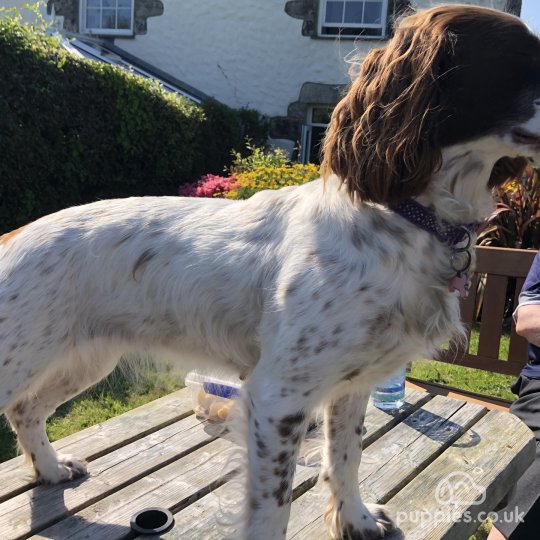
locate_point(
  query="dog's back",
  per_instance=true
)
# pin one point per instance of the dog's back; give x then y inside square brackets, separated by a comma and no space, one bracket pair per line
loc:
[155,274]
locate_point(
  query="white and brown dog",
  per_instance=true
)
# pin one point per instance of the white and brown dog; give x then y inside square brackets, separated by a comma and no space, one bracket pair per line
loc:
[315,292]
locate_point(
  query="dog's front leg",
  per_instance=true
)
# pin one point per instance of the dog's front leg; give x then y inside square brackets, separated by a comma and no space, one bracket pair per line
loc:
[276,425]
[347,516]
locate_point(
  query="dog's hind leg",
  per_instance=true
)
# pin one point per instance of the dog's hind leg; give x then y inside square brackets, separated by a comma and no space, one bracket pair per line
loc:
[28,414]
[346,514]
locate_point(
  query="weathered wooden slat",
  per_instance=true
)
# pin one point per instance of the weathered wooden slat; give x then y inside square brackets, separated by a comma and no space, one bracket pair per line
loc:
[492,316]
[97,440]
[198,519]
[480,468]
[489,364]
[517,351]
[393,460]
[489,402]
[378,422]
[499,264]
[174,486]
[504,261]
[468,306]
[439,434]
[42,506]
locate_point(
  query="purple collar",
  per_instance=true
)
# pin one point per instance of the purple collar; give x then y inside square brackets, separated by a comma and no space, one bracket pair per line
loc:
[425,219]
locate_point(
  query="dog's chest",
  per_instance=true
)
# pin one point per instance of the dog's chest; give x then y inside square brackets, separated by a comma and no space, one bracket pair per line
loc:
[422,319]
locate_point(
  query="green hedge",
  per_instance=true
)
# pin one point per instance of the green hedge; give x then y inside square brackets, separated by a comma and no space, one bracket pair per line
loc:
[73,131]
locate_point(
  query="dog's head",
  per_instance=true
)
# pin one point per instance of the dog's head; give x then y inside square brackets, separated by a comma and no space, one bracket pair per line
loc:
[450,75]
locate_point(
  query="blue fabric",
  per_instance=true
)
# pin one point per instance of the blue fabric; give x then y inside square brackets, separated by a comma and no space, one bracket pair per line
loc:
[530,294]
[221,390]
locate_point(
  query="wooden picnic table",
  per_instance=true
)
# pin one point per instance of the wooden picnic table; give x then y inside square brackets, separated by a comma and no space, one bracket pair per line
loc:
[161,454]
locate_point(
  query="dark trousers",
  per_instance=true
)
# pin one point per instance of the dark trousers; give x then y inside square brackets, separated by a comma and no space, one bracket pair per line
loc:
[527,495]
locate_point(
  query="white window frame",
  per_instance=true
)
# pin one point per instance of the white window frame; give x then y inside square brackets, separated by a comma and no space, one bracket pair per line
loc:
[323,24]
[105,31]
[307,132]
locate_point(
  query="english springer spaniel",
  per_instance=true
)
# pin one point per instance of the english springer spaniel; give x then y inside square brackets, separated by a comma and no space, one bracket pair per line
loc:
[314,293]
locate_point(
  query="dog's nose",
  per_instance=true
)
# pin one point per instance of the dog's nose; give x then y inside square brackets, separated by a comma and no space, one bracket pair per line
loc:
[537,103]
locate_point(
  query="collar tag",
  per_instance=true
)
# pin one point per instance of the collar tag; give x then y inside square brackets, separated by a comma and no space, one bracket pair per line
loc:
[459,283]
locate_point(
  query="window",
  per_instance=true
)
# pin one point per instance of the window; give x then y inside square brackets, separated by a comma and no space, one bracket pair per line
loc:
[313,131]
[107,17]
[353,18]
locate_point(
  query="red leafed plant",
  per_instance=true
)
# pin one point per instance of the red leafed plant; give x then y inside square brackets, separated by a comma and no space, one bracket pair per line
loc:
[515,223]
[209,185]
[516,220]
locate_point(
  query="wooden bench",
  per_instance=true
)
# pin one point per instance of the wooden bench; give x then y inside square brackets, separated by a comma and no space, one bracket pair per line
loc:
[497,269]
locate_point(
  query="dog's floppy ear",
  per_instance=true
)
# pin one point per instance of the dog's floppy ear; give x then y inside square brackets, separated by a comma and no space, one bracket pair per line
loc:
[382,139]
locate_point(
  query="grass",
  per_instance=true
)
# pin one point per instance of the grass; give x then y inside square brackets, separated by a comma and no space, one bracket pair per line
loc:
[114,395]
[464,378]
[474,380]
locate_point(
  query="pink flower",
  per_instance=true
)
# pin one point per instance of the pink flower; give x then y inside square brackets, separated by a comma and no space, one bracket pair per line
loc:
[209,185]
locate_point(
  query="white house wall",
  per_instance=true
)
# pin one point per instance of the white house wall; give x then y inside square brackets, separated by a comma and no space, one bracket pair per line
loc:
[495,4]
[245,52]
[242,52]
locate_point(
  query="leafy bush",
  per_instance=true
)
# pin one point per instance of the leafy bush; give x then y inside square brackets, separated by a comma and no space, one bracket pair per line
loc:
[265,177]
[73,130]
[254,172]
[223,129]
[516,220]
[257,157]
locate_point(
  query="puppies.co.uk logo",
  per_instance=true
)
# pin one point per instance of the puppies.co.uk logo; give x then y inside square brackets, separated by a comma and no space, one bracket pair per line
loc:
[459,488]
[455,494]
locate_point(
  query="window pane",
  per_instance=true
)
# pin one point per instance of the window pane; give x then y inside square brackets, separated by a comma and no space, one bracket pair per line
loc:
[124,19]
[373,13]
[124,3]
[317,136]
[93,19]
[108,18]
[109,3]
[321,115]
[93,3]
[334,12]
[353,12]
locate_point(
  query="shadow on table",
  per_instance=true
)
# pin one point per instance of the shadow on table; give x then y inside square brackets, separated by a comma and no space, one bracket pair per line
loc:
[48,508]
[439,429]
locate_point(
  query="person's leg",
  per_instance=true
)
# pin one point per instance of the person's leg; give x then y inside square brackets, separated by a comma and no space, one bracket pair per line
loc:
[525,501]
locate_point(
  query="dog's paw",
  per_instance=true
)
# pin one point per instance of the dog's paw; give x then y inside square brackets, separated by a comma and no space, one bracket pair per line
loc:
[64,469]
[358,521]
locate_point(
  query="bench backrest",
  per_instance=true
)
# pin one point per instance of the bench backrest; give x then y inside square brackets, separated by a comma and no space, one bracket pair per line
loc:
[494,267]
